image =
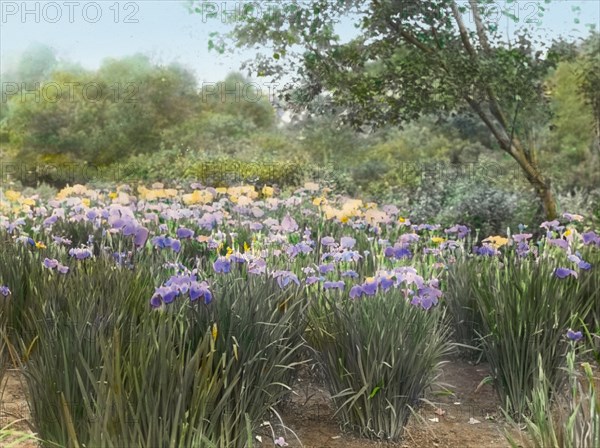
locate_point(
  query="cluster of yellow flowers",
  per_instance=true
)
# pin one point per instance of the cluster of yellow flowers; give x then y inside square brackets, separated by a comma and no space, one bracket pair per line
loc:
[76,190]
[198,197]
[496,241]
[242,195]
[15,202]
[157,192]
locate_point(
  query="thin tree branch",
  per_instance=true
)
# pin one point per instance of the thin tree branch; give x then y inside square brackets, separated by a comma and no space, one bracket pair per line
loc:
[483,40]
[464,34]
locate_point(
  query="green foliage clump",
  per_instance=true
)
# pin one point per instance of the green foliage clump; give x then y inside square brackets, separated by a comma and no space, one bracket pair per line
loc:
[521,321]
[379,355]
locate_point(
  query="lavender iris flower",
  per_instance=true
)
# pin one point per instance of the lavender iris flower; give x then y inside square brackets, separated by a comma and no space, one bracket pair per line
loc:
[356,292]
[485,250]
[334,285]
[222,265]
[80,253]
[50,263]
[590,238]
[184,233]
[325,268]
[580,263]
[327,241]
[163,242]
[257,266]
[4,291]
[564,272]
[311,279]
[369,288]
[347,242]
[574,335]
[285,277]
[198,290]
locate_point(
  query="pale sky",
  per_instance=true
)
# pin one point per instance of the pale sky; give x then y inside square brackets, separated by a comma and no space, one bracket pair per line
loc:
[87,32]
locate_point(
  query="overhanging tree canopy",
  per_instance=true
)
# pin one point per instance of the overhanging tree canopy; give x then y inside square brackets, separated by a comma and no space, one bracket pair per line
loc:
[410,58]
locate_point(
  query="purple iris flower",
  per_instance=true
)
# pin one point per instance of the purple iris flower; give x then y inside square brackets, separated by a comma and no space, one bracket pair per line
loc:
[237,258]
[292,251]
[580,263]
[558,242]
[460,230]
[184,233]
[222,265]
[62,269]
[50,263]
[167,293]
[50,220]
[386,283]
[198,290]
[550,225]
[285,277]
[80,254]
[519,237]
[141,236]
[334,285]
[61,240]
[347,242]
[356,292]
[485,251]
[4,290]
[350,273]
[327,241]
[255,226]
[325,268]
[257,266]
[564,272]
[397,252]
[574,335]
[427,297]
[369,288]
[300,248]
[16,223]
[428,227]
[409,276]
[155,301]
[590,238]
[408,238]
[163,242]
[347,255]
[312,279]
[288,224]
[523,249]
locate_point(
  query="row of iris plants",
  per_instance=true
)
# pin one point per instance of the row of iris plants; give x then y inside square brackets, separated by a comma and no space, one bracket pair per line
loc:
[179,317]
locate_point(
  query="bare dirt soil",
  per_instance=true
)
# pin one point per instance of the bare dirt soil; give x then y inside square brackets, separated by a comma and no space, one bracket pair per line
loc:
[469,417]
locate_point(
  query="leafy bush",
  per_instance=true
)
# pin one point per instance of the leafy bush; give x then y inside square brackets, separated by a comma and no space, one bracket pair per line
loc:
[103,368]
[525,310]
[475,200]
[379,355]
[462,307]
[571,420]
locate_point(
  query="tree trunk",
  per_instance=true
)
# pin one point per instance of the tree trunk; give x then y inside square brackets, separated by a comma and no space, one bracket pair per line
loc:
[513,146]
[542,187]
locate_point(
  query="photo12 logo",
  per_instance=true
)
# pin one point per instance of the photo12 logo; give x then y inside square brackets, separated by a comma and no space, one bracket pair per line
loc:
[238,92]
[71,12]
[52,92]
[228,11]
